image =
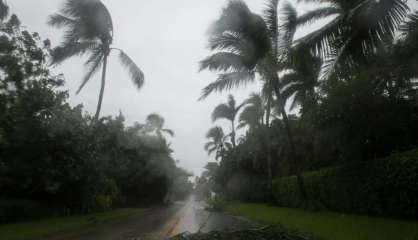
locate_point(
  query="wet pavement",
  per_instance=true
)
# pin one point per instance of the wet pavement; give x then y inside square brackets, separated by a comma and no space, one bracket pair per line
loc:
[193,218]
[162,223]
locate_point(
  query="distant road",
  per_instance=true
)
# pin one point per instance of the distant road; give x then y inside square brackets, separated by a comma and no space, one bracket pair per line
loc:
[161,223]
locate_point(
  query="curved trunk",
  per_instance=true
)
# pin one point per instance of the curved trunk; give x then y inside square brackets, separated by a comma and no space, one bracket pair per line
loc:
[99,105]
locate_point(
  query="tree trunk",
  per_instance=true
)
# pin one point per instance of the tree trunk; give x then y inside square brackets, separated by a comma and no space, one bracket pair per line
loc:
[99,105]
[270,168]
[289,134]
[268,109]
[233,134]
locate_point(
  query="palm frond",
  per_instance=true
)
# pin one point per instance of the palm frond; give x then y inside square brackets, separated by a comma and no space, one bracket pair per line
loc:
[271,19]
[222,61]
[61,53]
[209,145]
[226,81]
[317,14]
[135,72]
[168,131]
[93,18]
[59,20]
[216,133]
[211,150]
[288,79]
[290,90]
[222,111]
[93,65]
[287,28]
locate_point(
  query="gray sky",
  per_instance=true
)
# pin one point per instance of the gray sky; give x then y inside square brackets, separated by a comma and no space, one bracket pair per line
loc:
[166,39]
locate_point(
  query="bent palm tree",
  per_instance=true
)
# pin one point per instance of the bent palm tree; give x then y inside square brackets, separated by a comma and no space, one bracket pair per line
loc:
[227,111]
[155,123]
[264,50]
[89,30]
[218,144]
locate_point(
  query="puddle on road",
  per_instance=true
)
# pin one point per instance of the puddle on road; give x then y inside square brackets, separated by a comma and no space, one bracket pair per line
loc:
[193,218]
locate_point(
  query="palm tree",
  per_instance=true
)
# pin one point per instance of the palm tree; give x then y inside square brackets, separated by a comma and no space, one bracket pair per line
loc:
[241,55]
[89,30]
[155,123]
[217,143]
[228,111]
[252,115]
[358,29]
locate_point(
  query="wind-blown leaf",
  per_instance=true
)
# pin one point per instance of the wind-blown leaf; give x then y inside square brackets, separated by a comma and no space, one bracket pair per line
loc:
[222,111]
[227,81]
[317,14]
[168,131]
[287,28]
[135,72]
[61,53]
[93,65]
[222,61]
[59,20]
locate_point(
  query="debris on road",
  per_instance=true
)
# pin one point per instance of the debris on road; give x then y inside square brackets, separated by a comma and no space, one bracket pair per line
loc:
[266,233]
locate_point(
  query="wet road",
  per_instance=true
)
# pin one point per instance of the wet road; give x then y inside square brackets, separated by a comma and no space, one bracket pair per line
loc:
[161,223]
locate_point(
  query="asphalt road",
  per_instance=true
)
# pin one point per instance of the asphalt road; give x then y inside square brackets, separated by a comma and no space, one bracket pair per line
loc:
[161,223]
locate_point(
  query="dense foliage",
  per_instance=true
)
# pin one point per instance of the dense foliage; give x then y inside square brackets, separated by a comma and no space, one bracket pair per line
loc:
[344,94]
[54,154]
[386,187]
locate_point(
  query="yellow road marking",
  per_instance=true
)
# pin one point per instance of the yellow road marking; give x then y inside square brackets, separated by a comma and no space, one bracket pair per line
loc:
[170,229]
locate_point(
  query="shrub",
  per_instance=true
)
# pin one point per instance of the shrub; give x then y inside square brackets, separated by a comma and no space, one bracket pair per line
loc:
[14,210]
[385,187]
[216,203]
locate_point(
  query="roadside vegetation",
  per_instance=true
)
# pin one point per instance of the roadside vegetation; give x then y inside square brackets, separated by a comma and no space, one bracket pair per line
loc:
[333,126]
[61,225]
[56,159]
[329,225]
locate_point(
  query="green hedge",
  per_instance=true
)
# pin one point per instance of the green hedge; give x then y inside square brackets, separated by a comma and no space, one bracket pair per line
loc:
[14,210]
[385,187]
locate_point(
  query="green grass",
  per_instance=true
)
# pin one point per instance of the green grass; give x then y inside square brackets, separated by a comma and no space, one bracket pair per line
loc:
[328,225]
[36,229]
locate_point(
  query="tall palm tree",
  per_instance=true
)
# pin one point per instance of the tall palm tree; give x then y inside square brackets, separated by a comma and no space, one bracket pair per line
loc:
[252,115]
[155,123]
[228,111]
[89,30]
[243,55]
[217,143]
[358,28]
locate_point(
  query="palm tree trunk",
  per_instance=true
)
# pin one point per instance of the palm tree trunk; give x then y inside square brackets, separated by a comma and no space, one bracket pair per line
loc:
[268,108]
[99,105]
[233,134]
[289,134]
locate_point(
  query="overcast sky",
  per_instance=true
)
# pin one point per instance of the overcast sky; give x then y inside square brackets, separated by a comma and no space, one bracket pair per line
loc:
[166,39]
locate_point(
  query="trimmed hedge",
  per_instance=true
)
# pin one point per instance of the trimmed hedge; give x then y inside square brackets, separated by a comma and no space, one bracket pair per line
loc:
[384,187]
